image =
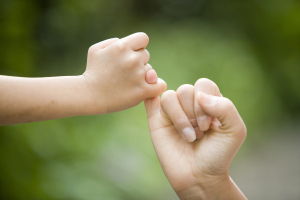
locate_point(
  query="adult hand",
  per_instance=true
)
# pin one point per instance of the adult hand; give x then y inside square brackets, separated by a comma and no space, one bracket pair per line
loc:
[198,169]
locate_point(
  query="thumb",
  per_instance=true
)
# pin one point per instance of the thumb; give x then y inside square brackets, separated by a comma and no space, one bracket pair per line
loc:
[224,110]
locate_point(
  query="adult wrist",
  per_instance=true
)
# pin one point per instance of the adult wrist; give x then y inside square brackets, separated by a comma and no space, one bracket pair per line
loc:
[207,189]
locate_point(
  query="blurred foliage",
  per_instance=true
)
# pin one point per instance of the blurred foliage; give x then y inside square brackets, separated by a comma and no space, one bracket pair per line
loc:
[251,49]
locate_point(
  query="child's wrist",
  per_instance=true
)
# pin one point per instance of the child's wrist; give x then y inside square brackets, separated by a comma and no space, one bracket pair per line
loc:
[90,106]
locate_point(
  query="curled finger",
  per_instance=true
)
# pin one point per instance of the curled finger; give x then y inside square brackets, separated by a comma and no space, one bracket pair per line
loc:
[171,106]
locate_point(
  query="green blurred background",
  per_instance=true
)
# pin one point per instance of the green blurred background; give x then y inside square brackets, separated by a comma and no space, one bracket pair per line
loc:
[250,49]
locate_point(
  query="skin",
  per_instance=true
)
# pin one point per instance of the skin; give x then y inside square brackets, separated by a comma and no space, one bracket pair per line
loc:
[151,76]
[197,169]
[115,79]
[118,77]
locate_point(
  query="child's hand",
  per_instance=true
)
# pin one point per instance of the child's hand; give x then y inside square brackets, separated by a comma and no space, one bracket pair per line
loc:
[117,77]
[116,74]
[199,169]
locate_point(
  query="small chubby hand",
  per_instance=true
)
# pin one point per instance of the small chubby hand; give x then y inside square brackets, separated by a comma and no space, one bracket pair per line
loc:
[118,74]
[196,163]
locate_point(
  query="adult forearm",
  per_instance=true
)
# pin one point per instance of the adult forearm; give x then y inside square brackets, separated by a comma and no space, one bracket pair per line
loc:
[36,99]
[223,190]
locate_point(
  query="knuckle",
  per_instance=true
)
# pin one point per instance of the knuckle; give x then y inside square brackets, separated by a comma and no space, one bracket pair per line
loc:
[134,60]
[227,104]
[204,81]
[147,53]
[207,83]
[162,87]
[167,96]
[185,89]
[242,131]
[193,120]
[144,36]
[148,66]
[122,45]
[180,121]
[92,50]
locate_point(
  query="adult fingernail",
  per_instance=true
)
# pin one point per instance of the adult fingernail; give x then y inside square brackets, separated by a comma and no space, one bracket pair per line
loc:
[189,134]
[204,122]
[202,118]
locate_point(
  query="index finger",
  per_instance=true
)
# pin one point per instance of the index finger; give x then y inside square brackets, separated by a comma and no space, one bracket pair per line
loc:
[137,41]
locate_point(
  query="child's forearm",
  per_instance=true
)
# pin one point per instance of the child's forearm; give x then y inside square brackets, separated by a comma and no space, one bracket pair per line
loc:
[36,99]
[114,80]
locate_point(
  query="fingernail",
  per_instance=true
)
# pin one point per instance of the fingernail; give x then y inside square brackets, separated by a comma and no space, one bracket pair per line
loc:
[206,99]
[202,118]
[151,76]
[204,122]
[189,134]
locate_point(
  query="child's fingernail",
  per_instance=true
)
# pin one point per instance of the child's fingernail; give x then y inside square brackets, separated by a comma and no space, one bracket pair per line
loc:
[151,76]
[189,134]
[206,99]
